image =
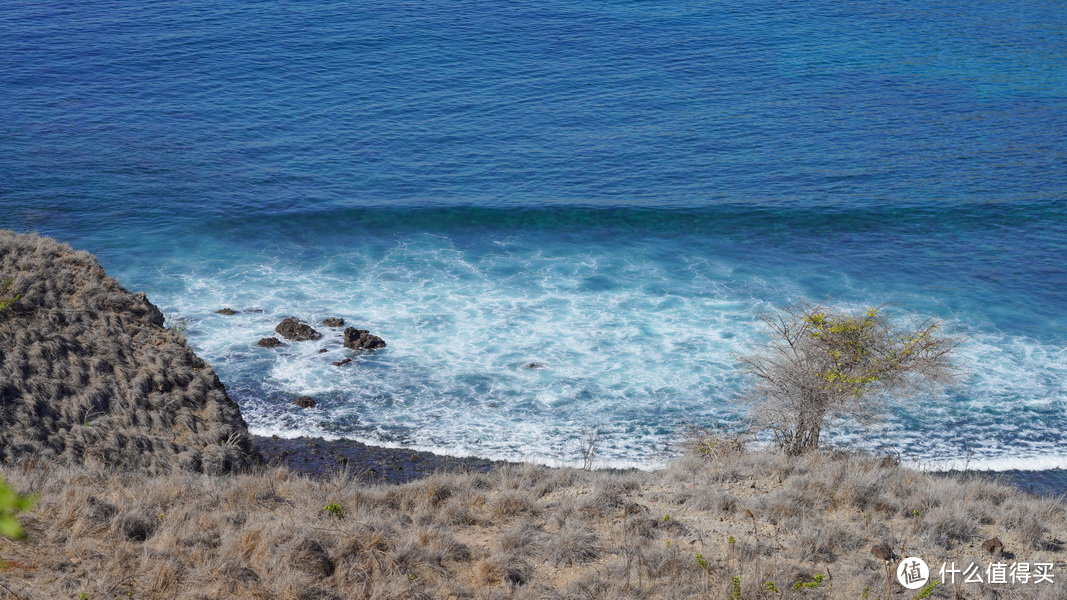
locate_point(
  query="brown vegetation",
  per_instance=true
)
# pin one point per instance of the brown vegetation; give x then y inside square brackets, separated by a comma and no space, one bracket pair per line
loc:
[773,522]
[89,374]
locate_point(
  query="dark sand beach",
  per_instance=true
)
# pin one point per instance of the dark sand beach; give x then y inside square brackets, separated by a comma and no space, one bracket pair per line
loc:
[317,457]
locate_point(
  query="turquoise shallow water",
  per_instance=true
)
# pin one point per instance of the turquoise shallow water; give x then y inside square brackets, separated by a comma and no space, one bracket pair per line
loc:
[611,189]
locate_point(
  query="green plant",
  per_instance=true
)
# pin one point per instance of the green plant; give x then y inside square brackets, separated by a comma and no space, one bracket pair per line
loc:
[816,581]
[771,587]
[335,510]
[731,540]
[703,563]
[735,588]
[12,503]
[5,286]
[927,590]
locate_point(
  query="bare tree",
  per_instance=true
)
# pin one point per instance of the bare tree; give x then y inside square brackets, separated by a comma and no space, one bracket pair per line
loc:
[821,363]
[588,446]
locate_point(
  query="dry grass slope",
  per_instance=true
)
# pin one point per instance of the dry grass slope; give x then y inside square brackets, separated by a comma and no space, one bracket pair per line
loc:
[770,521]
[88,373]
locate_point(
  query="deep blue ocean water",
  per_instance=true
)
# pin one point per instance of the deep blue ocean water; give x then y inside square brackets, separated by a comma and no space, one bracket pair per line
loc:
[613,189]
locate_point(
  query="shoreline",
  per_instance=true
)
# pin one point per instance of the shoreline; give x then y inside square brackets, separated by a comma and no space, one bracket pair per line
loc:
[319,457]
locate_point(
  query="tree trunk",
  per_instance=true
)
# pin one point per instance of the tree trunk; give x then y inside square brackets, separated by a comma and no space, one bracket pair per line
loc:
[806,436]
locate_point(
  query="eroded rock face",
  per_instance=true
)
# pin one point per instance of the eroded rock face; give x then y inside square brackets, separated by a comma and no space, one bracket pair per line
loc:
[361,339]
[333,322]
[88,373]
[297,331]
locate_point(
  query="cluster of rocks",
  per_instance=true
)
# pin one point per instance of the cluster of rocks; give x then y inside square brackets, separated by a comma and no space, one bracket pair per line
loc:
[298,331]
[295,330]
[993,546]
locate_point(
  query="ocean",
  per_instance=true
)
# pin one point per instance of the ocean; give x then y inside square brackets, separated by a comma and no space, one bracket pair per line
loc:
[614,190]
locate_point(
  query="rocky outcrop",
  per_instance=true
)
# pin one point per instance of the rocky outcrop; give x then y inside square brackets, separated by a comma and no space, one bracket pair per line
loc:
[88,373]
[305,402]
[333,322]
[883,552]
[993,546]
[297,331]
[361,339]
[227,311]
[269,342]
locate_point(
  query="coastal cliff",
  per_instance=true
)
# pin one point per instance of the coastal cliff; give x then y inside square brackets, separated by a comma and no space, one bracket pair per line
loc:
[89,374]
[132,449]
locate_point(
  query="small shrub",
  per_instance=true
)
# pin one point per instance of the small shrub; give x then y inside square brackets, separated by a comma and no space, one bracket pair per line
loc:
[947,526]
[710,444]
[816,581]
[334,510]
[5,300]
[735,588]
[573,544]
[11,504]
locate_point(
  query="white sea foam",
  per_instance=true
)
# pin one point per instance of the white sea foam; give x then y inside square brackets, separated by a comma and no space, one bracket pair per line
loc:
[634,341]
[993,463]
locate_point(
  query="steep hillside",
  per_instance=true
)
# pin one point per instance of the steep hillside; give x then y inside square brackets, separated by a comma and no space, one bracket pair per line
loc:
[89,374]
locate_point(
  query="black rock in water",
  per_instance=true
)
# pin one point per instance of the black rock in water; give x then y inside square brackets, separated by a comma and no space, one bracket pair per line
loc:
[305,402]
[361,339]
[270,342]
[294,330]
[332,322]
[226,311]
